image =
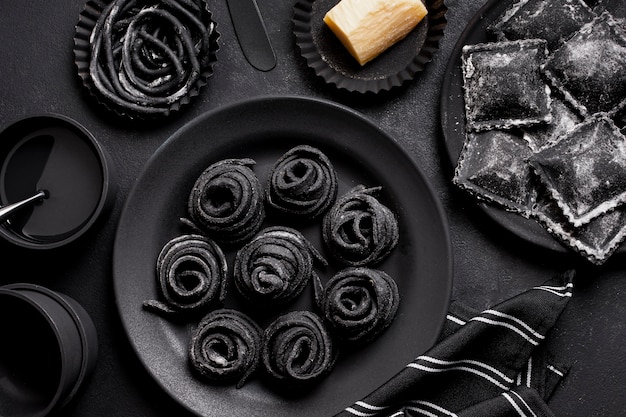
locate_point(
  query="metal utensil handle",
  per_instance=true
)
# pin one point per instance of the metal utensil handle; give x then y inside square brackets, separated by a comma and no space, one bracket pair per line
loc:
[10,209]
[251,34]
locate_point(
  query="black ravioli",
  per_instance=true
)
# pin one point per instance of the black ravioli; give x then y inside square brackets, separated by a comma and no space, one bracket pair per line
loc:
[596,240]
[537,19]
[585,172]
[493,166]
[590,68]
[564,119]
[503,84]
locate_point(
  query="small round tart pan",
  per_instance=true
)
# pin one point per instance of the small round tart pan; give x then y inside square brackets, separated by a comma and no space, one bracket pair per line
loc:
[145,60]
[331,61]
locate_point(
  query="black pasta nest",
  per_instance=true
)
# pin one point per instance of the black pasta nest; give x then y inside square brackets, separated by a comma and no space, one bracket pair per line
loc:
[145,58]
[272,265]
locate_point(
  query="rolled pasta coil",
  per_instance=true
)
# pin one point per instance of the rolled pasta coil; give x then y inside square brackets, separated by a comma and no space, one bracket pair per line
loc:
[360,303]
[226,201]
[358,229]
[147,55]
[298,348]
[191,272]
[226,347]
[302,183]
[275,267]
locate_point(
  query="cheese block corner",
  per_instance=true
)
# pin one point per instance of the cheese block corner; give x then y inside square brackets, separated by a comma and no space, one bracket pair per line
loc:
[369,27]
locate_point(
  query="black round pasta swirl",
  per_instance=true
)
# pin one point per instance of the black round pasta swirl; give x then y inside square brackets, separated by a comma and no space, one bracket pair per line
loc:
[274,267]
[359,230]
[226,347]
[146,54]
[298,348]
[191,273]
[226,201]
[302,183]
[359,303]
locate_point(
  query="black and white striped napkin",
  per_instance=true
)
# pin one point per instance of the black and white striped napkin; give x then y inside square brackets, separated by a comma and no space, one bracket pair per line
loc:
[491,364]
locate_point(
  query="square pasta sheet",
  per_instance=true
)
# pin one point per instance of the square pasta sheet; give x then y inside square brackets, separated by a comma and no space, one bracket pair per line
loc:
[545,107]
[538,19]
[590,68]
[503,85]
[596,240]
[493,166]
[564,119]
[585,171]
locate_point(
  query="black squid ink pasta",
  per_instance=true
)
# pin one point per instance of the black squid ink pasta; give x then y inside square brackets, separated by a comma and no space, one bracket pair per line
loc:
[359,303]
[275,266]
[303,183]
[191,273]
[146,57]
[298,348]
[271,265]
[226,202]
[358,229]
[226,347]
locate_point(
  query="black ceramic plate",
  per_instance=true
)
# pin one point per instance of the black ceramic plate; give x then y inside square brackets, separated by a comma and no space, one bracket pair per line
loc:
[453,123]
[264,128]
[330,60]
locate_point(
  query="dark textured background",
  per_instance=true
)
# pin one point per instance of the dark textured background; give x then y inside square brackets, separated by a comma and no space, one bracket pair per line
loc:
[37,75]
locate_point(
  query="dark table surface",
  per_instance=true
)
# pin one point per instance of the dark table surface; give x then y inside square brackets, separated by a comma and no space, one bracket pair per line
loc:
[490,264]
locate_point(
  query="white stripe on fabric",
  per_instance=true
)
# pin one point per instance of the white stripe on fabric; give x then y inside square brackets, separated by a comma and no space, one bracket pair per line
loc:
[556,371]
[369,406]
[468,362]
[418,406]
[423,408]
[567,286]
[456,320]
[560,291]
[514,404]
[532,413]
[359,413]
[460,368]
[529,371]
[508,326]
[565,294]
[421,411]
[436,407]
[518,321]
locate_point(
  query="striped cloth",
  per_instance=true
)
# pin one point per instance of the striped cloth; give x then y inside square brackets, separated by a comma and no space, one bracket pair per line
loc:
[491,364]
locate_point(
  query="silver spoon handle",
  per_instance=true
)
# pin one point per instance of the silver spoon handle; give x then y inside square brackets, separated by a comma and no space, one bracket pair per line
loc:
[9,209]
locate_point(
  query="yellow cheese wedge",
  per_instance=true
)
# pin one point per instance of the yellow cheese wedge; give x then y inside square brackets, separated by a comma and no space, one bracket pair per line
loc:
[368,27]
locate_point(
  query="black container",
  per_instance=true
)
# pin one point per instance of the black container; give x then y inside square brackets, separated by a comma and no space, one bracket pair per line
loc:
[54,153]
[49,348]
